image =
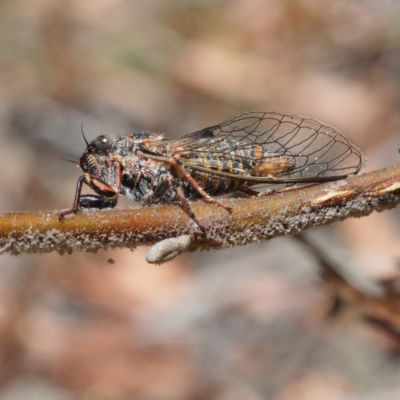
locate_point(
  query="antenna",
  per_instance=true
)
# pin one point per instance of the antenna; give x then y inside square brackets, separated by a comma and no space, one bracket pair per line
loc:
[71,161]
[84,138]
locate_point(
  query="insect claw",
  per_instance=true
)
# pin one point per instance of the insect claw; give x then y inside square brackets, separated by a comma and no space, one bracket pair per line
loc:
[203,230]
[223,205]
[200,225]
[227,208]
[63,214]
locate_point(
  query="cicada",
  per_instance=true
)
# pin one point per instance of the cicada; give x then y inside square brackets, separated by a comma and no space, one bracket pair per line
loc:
[246,153]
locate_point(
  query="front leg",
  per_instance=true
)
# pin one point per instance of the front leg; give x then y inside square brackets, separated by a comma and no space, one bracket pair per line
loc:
[109,197]
[95,201]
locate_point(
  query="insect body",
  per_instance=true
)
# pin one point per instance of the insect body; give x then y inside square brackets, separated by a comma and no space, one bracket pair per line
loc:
[245,153]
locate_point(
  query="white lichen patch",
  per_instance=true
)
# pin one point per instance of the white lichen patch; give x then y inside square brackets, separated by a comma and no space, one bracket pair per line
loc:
[168,249]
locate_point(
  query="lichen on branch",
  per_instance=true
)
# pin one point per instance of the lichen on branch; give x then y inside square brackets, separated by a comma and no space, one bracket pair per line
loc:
[253,219]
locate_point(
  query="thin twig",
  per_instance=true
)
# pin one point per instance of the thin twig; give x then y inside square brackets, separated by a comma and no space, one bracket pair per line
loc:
[252,219]
[376,301]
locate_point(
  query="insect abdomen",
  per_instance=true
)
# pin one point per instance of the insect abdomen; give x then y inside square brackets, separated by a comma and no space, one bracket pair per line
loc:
[235,158]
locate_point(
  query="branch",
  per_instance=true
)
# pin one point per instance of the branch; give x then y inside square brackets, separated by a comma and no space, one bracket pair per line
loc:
[253,219]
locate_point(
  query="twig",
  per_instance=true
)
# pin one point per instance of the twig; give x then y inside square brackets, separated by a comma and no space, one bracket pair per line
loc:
[376,301]
[252,219]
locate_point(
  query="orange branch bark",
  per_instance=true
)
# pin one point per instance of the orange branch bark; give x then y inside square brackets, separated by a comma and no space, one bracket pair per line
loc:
[252,219]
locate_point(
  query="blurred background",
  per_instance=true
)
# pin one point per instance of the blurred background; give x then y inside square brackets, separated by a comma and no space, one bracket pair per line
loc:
[256,322]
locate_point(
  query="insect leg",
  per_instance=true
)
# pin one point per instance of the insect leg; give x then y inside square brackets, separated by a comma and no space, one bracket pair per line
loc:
[178,169]
[186,206]
[145,183]
[161,189]
[249,191]
[91,201]
[94,201]
[176,185]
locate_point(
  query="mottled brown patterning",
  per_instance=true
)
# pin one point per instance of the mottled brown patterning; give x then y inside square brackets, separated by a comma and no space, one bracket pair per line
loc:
[248,153]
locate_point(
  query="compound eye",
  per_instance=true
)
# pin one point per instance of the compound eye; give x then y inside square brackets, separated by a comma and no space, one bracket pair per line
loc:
[103,142]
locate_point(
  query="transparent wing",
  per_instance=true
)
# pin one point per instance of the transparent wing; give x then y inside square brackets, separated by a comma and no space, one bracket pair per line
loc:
[313,148]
